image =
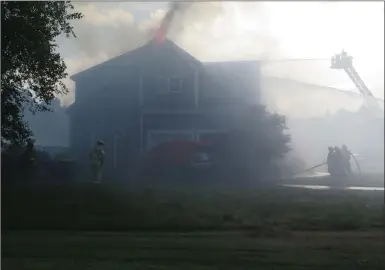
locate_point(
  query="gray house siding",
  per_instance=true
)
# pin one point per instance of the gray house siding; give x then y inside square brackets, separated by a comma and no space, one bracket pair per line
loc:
[157,94]
[161,70]
[109,112]
[230,82]
[186,127]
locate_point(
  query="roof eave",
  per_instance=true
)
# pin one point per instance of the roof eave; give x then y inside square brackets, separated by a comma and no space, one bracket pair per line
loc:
[74,77]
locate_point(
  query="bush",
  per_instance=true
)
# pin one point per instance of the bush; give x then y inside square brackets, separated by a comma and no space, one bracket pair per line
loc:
[257,143]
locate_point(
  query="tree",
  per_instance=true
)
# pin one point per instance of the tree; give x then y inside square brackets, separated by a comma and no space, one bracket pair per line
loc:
[30,64]
[258,142]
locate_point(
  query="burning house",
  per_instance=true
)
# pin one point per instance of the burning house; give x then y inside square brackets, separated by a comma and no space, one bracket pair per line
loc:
[158,93]
[154,94]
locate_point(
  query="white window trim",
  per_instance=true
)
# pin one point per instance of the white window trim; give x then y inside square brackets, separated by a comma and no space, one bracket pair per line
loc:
[180,85]
[166,82]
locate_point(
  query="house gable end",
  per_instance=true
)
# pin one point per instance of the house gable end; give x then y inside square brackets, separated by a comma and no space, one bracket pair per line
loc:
[137,55]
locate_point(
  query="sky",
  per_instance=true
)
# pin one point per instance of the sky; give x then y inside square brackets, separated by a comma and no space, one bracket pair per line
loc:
[219,31]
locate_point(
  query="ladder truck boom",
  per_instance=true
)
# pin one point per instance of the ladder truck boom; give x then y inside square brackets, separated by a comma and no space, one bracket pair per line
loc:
[345,62]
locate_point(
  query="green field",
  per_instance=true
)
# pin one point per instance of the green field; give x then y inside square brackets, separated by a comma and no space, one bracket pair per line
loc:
[98,207]
[105,227]
[226,250]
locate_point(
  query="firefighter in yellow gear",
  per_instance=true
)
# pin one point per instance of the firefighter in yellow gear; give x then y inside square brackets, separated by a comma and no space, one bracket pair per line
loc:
[97,161]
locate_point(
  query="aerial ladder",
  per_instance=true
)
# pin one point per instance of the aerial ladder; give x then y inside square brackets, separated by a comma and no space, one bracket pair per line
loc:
[345,62]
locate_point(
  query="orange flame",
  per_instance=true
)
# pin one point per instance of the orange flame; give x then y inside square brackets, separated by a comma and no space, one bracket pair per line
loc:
[160,36]
[165,25]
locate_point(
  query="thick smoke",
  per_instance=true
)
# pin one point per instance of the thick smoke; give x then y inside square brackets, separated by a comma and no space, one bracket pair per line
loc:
[266,31]
[221,31]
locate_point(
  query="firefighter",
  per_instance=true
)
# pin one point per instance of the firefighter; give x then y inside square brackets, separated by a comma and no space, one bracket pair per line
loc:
[331,161]
[339,162]
[346,155]
[97,161]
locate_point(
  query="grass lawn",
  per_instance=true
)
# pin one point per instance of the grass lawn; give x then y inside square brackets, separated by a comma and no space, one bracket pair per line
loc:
[108,208]
[89,226]
[199,250]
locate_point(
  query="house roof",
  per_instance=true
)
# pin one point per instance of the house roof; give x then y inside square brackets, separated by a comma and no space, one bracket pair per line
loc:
[134,56]
[221,72]
[218,70]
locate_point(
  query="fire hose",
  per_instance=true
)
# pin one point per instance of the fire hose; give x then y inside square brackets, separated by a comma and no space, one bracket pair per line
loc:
[309,169]
[358,166]
[319,165]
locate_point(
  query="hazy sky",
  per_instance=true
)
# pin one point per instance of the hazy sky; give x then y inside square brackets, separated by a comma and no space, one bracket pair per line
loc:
[240,31]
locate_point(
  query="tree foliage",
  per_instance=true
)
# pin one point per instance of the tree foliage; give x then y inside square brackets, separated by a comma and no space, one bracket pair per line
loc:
[29,60]
[259,141]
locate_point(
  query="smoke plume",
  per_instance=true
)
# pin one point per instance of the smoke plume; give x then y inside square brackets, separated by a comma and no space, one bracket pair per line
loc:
[266,31]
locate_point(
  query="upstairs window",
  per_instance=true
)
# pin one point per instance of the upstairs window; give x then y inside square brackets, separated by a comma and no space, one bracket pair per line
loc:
[175,85]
